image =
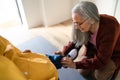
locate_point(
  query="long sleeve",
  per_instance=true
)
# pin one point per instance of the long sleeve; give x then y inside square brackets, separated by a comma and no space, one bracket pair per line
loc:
[67,48]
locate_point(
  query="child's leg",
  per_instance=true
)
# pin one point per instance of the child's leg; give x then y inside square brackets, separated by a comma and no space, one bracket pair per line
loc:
[56,60]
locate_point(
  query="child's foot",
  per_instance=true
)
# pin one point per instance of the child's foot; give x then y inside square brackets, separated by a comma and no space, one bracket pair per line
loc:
[56,60]
[58,53]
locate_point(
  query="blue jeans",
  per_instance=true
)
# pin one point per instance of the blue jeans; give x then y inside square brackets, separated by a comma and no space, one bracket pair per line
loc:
[56,60]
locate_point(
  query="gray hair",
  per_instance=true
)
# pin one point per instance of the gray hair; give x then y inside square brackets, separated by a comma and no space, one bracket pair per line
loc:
[85,9]
[79,37]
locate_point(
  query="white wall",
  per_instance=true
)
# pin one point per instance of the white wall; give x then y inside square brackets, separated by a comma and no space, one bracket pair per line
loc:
[106,6]
[50,12]
[111,7]
[33,13]
[46,12]
[117,13]
[56,11]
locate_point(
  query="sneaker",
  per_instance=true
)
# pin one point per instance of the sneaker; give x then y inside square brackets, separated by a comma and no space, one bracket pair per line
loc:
[73,53]
[81,54]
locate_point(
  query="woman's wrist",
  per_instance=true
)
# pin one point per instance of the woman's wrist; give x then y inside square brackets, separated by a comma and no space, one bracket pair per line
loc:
[74,65]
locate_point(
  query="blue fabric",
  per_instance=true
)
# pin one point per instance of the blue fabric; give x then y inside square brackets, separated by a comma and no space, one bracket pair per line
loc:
[56,59]
[38,45]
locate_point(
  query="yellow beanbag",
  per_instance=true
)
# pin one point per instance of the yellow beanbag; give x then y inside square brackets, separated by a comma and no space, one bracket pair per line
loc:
[36,67]
[33,66]
[9,71]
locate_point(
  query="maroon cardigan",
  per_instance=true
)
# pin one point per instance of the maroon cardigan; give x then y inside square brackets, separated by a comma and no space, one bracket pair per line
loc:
[107,43]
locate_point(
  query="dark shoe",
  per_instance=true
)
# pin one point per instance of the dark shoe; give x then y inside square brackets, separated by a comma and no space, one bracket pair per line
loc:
[56,60]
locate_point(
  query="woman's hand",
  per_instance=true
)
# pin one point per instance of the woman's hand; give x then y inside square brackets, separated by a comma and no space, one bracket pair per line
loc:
[68,62]
[58,52]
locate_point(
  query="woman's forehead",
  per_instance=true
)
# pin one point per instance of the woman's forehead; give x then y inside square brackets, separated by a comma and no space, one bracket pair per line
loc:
[77,17]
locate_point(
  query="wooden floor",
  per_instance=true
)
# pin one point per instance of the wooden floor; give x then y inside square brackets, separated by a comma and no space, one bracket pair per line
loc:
[58,34]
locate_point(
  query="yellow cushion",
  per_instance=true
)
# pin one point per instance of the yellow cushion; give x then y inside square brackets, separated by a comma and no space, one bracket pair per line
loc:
[7,49]
[33,66]
[36,67]
[9,71]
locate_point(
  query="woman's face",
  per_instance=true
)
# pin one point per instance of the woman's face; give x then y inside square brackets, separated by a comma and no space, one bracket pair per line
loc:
[80,23]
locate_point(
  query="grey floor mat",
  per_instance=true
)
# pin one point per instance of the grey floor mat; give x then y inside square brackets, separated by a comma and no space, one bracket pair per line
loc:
[41,45]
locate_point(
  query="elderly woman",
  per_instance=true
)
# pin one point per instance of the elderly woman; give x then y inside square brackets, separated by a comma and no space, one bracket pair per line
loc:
[100,35]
